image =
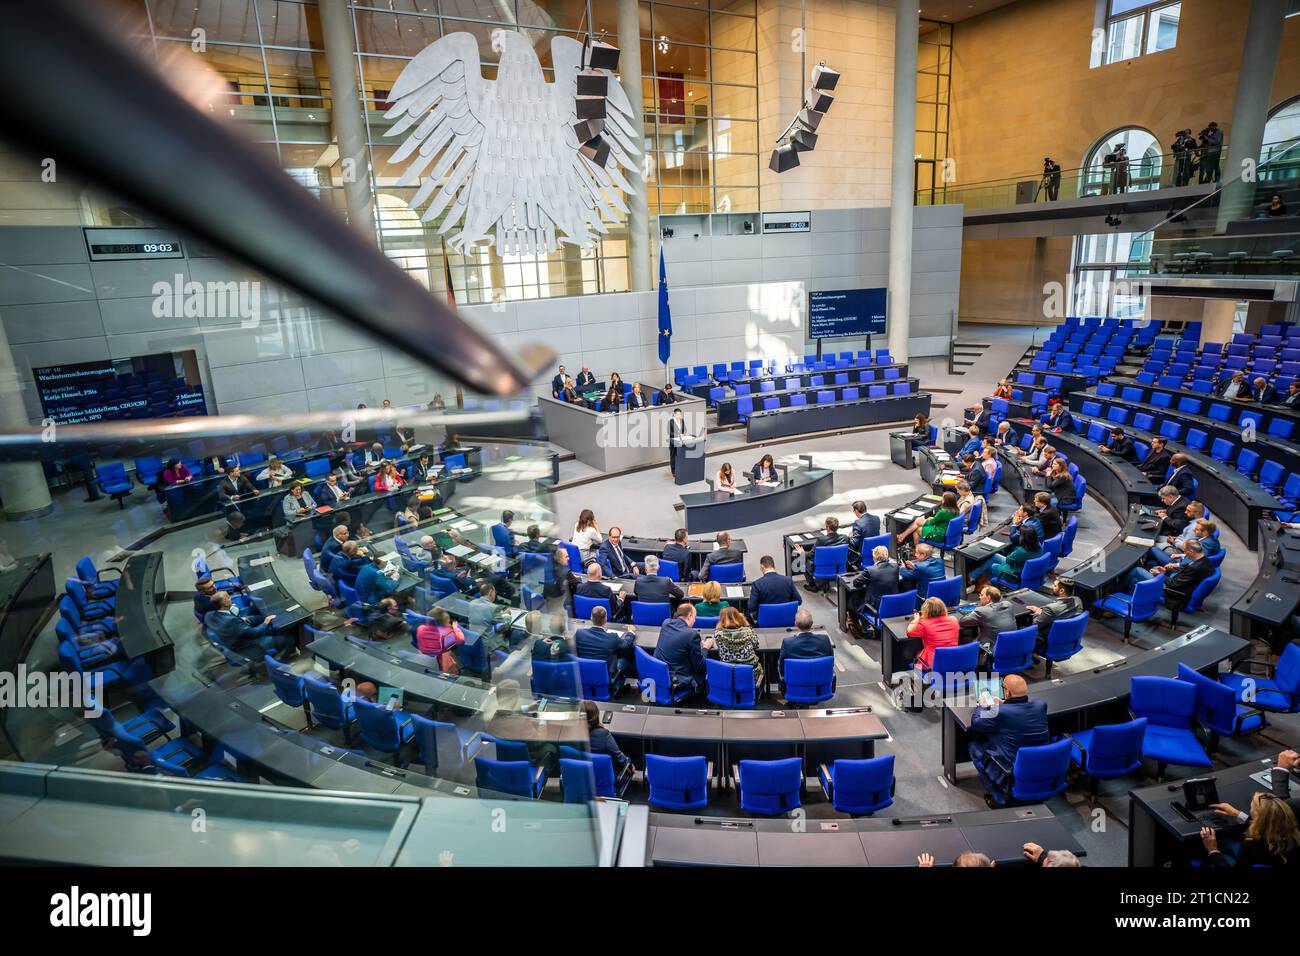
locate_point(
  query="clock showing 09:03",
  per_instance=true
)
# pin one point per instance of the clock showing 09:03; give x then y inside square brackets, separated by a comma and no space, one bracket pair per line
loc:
[131,243]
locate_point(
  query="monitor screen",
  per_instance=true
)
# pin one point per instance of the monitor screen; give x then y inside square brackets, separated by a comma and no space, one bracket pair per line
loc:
[855,313]
[146,386]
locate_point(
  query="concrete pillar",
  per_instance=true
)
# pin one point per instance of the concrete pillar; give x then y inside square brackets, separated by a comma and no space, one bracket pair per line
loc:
[1217,317]
[345,113]
[1250,112]
[638,220]
[902,173]
[22,483]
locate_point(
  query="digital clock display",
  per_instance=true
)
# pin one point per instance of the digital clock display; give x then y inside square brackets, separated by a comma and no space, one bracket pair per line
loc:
[132,243]
[138,248]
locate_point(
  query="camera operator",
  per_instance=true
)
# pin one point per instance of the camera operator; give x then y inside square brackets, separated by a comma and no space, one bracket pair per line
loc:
[1211,148]
[1183,148]
[1051,178]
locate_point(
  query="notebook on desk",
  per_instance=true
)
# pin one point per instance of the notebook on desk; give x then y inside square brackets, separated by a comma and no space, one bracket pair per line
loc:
[1140,542]
[735,593]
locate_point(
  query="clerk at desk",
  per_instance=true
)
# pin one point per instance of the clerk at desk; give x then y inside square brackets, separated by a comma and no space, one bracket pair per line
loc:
[765,470]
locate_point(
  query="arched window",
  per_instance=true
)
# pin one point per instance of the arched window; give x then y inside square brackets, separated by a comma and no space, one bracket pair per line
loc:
[1282,130]
[1100,177]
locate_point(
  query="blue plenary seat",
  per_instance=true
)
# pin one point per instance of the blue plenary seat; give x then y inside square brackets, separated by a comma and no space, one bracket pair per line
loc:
[385,730]
[777,615]
[677,783]
[859,787]
[1279,692]
[113,481]
[556,679]
[770,787]
[1139,606]
[809,680]
[730,685]
[1108,751]
[901,604]
[514,777]
[953,668]
[1064,640]
[655,679]
[1013,651]
[830,561]
[1037,774]
[582,606]
[1218,710]
[1169,705]
[727,573]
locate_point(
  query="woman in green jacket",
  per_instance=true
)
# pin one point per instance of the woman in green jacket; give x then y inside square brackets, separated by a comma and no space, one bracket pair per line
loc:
[1011,565]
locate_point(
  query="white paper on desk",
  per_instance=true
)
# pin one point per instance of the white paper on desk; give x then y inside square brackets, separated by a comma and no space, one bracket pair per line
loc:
[460,551]
[258,562]
[258,585]
[464,525]
[906,515]
[990,543]
[479,558]
[293,607]
[1141,542]
[615,586]
[735,593]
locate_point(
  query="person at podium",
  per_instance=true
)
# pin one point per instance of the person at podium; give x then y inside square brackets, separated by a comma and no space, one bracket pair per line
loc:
[676,432]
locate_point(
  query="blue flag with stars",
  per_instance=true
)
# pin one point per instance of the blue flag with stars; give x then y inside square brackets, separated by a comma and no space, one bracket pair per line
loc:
[665,315]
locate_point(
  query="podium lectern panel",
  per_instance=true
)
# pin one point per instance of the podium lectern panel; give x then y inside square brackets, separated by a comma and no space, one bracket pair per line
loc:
[690,460]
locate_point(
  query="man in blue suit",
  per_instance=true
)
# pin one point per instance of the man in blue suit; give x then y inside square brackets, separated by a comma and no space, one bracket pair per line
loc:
[237,631]
[927,567]
[653,588]
[865,525]
[803,644]
[612,558]
[446,570]
[1001,730]
[598,644]
[373,585]
[875,580]
[770,588]
[1181,477]
[682,650]
[501,536]
[678,550]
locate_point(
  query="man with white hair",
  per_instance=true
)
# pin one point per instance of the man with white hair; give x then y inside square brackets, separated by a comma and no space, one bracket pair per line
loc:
[597,589]
[655,588]
[1036,854]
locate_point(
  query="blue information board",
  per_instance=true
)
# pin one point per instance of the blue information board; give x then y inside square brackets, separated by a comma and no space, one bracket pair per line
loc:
[846,313]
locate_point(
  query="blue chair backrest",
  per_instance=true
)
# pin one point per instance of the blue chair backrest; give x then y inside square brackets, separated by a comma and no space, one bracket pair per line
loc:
[863,786]
[1013,651]
[727,573]
[1201,592]
[770,786]
[379,725]
[678,783]
[556,679]
[1216,704]
[537,568]
[651,614]
[730,685]
[1116,749]
[1065,637]
[948,590]
[327,704]
[582,606]
[829,562]
[438,743]
[897,605]
[777,615]
[961,659]
[1248,461]
[1040,771]
[1147,596]
[287,684]
[655,677]
[594,675]
[513,777]
[583,779]
[1164,701]
[809,680]
[670,569]
[1034,571]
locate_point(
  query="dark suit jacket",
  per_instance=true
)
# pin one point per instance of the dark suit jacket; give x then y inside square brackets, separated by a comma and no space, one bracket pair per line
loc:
[656,589]
[1180,585]
[824,540]
[866,525]
[771,588]
[1064,421]
[756,474]
[1050,522]
[557,386]
[1125,449]
[1265,396]
[679,647]
[1175,519]
[1182,480]
[804,645]
[583,379]
[1155,465]
[680,554]
[1054,611]
[875,581]
[612,562]
[1017,722]
[676,430]
[637,401]
[977,478]
[601,741]
[597,589]
[598,644]
[235,631]
[721,556]
[1291,401]
[981,421]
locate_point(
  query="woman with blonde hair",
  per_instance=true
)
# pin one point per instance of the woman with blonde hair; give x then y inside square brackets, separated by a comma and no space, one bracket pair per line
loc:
[713,604]
[736,643]
[388,478]
[1272,836]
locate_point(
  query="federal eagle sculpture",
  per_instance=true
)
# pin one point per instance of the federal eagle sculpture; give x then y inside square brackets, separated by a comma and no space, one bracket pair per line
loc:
[504,154]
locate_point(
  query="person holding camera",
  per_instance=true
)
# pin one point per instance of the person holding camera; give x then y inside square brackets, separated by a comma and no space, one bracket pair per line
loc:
[1183,148]
[1051,178]
[1211,149]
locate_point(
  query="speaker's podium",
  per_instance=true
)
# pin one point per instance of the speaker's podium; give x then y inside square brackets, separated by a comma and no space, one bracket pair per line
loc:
[690,459]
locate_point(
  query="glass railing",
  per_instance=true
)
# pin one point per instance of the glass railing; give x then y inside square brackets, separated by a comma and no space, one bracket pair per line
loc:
[1144,175]
[1271,255]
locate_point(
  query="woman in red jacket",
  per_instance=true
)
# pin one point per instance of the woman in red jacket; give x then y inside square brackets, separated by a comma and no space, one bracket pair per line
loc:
[437,640]
[935,627]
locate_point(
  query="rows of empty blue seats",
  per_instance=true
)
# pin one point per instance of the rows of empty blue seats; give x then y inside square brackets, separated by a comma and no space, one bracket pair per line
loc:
[1089,347]
[687,376]
[745,406]
[1275,357]
[1277,425]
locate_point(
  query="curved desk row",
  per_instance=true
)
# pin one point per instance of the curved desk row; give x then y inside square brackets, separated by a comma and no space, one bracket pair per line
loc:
[1118,483]
[1268,413]
[728,408]
[1034,378]
[803,488]
[637,548]
[371,508]
[721,841]
[863,371]
[140,599]
[780,422]
[1268,602]
[1240,502]
[1100,695]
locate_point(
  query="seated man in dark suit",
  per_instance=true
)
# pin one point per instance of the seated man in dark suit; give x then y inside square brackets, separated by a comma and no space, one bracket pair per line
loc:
[865,525]
[566,581]
[447,569]
[599,644]
[653,588]
[1058,418]
[978,416]
[678,552]
[724,553]
[1261,391]
[1173,516]
[1236,386]
[1063,604]
[612,558]
[557,383]
[829,538]
[535,544]
[594,587]
[1121,446]
[1050,522]
[1156,464]
[681,648]
[875,580]
[1181,478]
[351,559]
[976,475]
[803,644]
[1193,569]
[770,588]
[585,378]
[501,536]
[1002,730]
[331,548]
[238,632]
[1292,397]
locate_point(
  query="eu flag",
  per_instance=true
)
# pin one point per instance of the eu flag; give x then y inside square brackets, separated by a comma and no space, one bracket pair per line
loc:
[665,316]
